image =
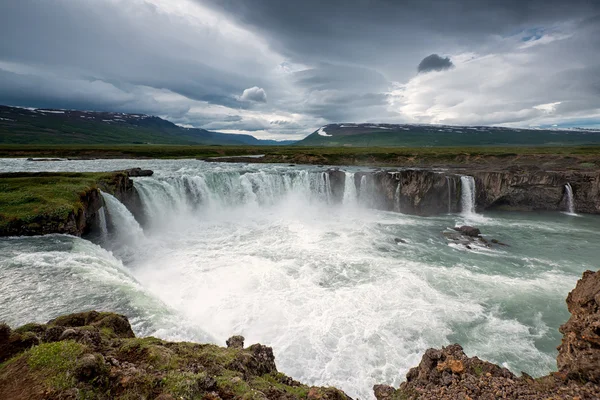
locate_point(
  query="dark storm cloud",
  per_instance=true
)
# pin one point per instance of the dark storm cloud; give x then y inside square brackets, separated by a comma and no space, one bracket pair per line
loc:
[391,34]
[434,63]
[100,39]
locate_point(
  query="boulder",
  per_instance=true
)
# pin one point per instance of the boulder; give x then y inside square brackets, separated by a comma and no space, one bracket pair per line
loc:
[468,231]
[235,342]
[135,172]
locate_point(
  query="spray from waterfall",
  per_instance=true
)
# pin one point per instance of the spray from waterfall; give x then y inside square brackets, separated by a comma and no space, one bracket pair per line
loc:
[570,199]
[468,194]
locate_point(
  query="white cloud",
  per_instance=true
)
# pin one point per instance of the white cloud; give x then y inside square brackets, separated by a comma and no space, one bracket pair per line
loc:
[254,94]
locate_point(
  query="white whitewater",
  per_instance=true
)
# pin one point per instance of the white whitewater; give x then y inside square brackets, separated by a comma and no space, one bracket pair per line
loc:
[468,190]
[350,195]
[570,199]
[127,229]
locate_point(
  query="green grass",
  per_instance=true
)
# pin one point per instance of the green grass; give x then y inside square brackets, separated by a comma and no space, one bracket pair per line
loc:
[55,362]
[26,197]
[177,151]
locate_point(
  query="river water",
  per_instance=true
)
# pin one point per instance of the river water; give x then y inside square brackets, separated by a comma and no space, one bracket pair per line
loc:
[262,251]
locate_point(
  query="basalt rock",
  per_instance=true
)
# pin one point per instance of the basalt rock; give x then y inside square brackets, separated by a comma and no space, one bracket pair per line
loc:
[579,352]
[468,230]
[430,192]
[136,172]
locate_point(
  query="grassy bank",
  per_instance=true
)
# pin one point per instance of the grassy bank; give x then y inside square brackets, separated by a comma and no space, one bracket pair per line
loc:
[27,197]
[178,151]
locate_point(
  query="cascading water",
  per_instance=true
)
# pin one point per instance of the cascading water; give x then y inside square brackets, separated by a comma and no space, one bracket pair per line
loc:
[102,223]
[467,185]
[451,190]
[366,191]
[350,195]
[397,197]
[127,229]
[570,199]
[182,195]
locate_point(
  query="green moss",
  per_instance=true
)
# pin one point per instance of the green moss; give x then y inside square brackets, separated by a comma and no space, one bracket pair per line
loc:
[184,384]
[275,381]
[29,198]
[54,362]
[231,382]
[37,328]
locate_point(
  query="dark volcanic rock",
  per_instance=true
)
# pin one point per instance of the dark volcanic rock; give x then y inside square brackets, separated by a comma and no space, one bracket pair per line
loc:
[235,342]
[579,352]
[135,172]
[468,230]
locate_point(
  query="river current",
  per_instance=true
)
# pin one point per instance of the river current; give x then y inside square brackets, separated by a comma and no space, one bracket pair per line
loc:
[262,251]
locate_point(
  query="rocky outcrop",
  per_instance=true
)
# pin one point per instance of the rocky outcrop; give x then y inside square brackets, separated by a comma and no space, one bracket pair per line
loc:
[450,374]
[430,192]
[537,190]
[95,355]
[579,352]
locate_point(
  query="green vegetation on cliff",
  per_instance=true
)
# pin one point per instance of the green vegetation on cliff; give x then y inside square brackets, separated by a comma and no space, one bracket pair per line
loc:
[95,355]
[48,202]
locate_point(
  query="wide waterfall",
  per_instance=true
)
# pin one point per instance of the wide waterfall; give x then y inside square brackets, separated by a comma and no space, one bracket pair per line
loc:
[295,258]
[570,199]
[467,184]
[187,193]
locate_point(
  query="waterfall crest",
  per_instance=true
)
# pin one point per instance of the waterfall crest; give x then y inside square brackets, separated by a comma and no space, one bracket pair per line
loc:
[468,190]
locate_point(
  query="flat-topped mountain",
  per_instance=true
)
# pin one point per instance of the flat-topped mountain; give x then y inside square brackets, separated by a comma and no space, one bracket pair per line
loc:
[411,135]
[49,126]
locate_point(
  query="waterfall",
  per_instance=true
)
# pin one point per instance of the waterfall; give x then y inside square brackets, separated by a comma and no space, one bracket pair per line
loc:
[363,193]
[349,190]
[183,195]
[570,199]
[102,223]
[467,185]
[451,182]
[126,227]
[397,196]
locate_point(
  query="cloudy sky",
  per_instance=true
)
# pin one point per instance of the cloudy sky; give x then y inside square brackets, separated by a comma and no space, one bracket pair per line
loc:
[281,69]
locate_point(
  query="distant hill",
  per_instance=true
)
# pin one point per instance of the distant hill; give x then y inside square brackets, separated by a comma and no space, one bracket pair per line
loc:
[48,126]
[409,135]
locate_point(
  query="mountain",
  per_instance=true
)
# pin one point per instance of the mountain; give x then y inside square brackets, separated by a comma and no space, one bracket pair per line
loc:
[48,126]
[409,135]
